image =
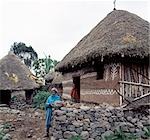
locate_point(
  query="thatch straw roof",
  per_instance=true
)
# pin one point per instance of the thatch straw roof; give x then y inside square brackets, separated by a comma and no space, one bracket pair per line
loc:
[55,77]
[58,78]
[120,33]
[14,75]
[50,76]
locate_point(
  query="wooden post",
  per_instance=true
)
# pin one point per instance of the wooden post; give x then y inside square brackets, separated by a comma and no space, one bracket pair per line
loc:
[121,85]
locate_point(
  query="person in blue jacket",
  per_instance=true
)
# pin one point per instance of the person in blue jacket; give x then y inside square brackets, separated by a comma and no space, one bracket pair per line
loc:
[49,105]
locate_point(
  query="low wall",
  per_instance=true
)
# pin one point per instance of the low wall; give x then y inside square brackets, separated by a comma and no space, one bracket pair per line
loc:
[94,123]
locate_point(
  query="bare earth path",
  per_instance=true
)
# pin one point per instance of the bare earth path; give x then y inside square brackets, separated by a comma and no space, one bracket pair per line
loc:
[26,125]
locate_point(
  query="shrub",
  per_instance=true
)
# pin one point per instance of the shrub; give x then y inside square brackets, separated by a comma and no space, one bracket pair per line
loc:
[2,132]
[120,135]
[39,99]
[147,131]
[75,138]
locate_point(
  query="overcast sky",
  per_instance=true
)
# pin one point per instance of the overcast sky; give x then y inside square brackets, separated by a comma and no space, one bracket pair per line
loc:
[54,27]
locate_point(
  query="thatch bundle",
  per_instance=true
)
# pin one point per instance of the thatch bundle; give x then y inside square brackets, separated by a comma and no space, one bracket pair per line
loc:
[120,34]
[14,75]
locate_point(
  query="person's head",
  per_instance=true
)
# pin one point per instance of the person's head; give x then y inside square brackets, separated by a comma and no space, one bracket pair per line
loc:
[54,91]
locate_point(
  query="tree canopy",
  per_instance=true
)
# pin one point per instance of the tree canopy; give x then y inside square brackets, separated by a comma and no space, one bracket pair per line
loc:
[26,53]
[43,66]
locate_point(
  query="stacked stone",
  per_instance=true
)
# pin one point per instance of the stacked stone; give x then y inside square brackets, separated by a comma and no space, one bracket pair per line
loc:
[94,123]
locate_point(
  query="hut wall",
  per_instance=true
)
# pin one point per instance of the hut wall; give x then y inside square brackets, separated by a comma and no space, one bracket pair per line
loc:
[135,80]
[102,90]
[20,93]
[97,91]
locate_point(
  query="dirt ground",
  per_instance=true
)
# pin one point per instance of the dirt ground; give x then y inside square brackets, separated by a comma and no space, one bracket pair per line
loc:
[25,125]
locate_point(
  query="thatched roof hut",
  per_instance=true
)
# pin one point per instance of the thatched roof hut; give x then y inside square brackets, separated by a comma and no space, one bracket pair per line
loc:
[54,77]
[120,34]
[50,76]
[15,75]
[58,78]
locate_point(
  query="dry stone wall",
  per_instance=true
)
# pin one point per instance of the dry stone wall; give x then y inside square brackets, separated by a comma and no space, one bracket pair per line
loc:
[94,123]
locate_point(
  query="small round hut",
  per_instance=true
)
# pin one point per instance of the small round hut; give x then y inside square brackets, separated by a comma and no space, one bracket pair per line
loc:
[15,77]
[54,79]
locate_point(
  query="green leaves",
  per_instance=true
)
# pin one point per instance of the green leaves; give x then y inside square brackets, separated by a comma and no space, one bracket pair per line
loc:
[75,138]
[40,98]
[2,130]
[44,66]
[25,53]
[120,135]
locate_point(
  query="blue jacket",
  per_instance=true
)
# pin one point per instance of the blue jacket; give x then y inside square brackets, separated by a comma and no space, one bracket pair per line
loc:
[51,100]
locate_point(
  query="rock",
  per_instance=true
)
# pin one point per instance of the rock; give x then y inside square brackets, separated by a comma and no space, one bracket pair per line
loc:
[61,118]
[34,137]
[58,134]
[79,130]
[77,123]
[93,135]
[90,139]
[84,135]
[71,127]
[75,111]
[129,118]
[69,134]
[29,135]
[132,130]
[53,138]
[70,114]
[97,138]
[108,114]
[37,114]
[110,108]
[59,112]
[85,108]
[134,120]
[139,125]
[80,117]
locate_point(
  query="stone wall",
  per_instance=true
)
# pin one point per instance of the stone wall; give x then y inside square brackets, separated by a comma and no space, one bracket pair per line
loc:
[93,123]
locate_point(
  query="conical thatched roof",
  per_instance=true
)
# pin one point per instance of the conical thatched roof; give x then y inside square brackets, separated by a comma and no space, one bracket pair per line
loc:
[14,75]
[55,77]
[58,78]
[50,76]
[120,33]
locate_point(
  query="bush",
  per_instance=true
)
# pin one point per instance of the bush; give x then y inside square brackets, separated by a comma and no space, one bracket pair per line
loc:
[120,135]
[147,131]
[2,132]
[75,138]
[39,99]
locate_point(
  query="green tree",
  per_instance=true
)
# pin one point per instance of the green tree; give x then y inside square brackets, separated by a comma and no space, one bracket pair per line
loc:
[43,66]
[25,53]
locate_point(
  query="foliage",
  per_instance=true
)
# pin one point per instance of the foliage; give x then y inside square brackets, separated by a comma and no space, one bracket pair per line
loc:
[75,138]
[40,98]
[2,132]
[25,53]
[43,66]
[147,131]
[120,135]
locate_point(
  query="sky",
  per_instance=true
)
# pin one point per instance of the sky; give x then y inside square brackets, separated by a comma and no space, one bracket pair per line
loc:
[54,27]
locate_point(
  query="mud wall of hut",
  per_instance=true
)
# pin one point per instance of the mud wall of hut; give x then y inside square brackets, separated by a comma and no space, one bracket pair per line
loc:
[97,90]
